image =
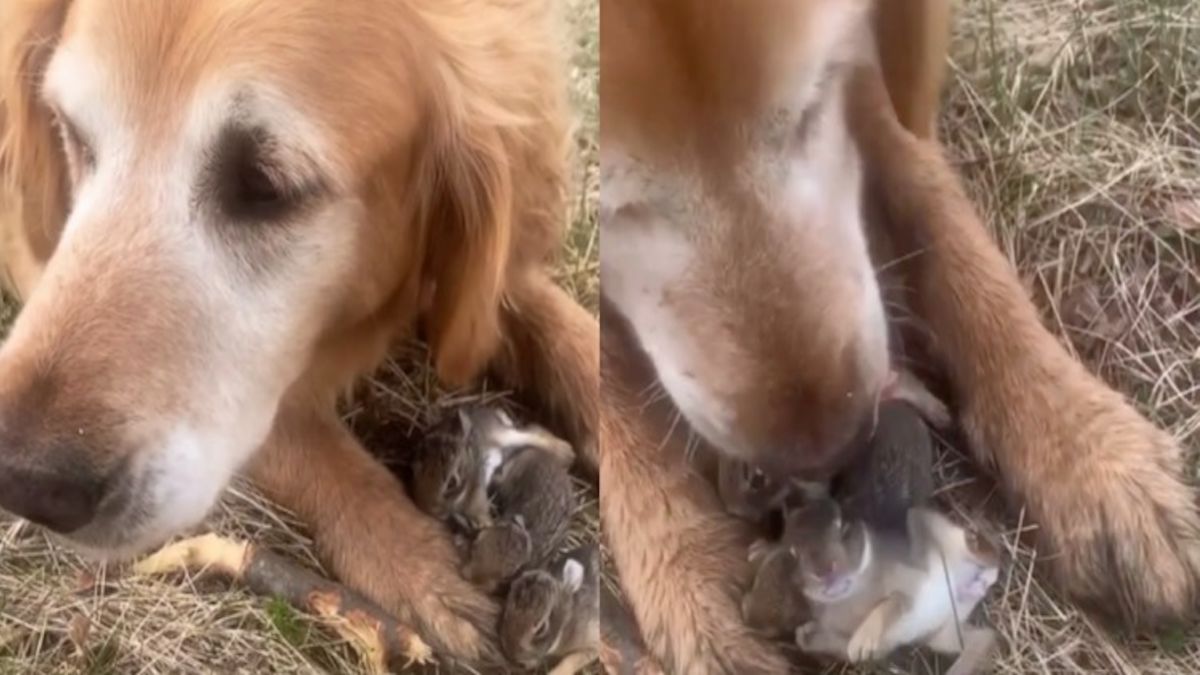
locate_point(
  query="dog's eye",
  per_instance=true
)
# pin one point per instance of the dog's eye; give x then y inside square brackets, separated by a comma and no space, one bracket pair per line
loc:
[256,189]
[250,185]
[80,155]
[253,193]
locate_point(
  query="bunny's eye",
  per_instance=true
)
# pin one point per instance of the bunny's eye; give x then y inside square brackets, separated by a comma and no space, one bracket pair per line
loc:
[542,629]
[972,540]
[453,484]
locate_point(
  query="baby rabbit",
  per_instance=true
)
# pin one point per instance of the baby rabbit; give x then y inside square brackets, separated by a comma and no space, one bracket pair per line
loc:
[555,614]
[747,491]
[774,605]
[752,494]
[457,460]
[535,501]
[454,465]
[498,552]
[872,592]
[894,470]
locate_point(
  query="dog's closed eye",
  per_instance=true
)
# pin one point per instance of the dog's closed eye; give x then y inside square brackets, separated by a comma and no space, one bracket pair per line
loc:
[250,183]
[80,155]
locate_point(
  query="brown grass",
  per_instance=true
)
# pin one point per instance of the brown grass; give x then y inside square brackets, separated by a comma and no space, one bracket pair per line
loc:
[61,615]
[1077,127]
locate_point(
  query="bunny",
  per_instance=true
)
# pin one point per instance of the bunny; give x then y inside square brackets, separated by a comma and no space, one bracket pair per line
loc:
[555,614]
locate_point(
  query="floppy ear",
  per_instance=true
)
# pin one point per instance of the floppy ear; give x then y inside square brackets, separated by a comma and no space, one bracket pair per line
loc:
[469,228]
[497,154]
[465,421]
[33,188]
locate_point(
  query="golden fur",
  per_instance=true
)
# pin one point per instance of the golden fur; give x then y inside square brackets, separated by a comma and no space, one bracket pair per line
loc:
[444,129]
[1117,523]
[728,70]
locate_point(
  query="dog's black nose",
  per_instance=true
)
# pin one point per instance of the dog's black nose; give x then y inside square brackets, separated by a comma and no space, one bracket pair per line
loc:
[62,502]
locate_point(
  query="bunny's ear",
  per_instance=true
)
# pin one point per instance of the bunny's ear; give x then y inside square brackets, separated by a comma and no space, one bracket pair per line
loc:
[758,551]
[505,418]
[573,575]
[464,418]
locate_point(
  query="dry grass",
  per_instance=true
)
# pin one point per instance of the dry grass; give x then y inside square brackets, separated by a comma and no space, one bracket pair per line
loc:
[60,615]
[1077,127]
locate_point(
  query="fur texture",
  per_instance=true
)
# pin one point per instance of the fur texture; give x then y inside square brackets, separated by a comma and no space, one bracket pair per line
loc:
[688,92]
[188,326]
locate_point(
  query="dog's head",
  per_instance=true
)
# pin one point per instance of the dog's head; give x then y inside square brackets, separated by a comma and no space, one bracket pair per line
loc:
[231,188]
[730,208]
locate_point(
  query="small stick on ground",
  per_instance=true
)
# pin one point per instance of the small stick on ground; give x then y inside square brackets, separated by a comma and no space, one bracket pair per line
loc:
[381,639]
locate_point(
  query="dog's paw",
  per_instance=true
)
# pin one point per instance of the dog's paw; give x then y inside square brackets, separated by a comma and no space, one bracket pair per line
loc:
[1117,525]
[459,617]
[411,568]
[451,611]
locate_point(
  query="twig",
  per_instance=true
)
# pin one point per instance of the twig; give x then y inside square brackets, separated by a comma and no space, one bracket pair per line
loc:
[382,640]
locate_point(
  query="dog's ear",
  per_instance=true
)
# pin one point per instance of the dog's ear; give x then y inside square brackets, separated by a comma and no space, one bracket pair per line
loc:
[33,173]
[468,225]
[469,230]
[489,154]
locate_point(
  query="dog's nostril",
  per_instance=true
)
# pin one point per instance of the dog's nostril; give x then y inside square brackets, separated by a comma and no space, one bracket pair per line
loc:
[63,503]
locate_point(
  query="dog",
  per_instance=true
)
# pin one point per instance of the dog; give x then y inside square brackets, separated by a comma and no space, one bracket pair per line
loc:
[756,164]
[219,215]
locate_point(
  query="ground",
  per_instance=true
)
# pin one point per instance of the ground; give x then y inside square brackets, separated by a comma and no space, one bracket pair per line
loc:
[1077,128]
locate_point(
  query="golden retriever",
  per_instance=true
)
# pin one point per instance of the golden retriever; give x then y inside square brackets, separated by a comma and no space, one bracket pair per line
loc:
[738,139]
[219,214]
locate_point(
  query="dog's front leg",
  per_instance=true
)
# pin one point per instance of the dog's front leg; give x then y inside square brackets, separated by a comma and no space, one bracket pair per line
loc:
[1117,523]
[680,557]
[552,352]
[370,534]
